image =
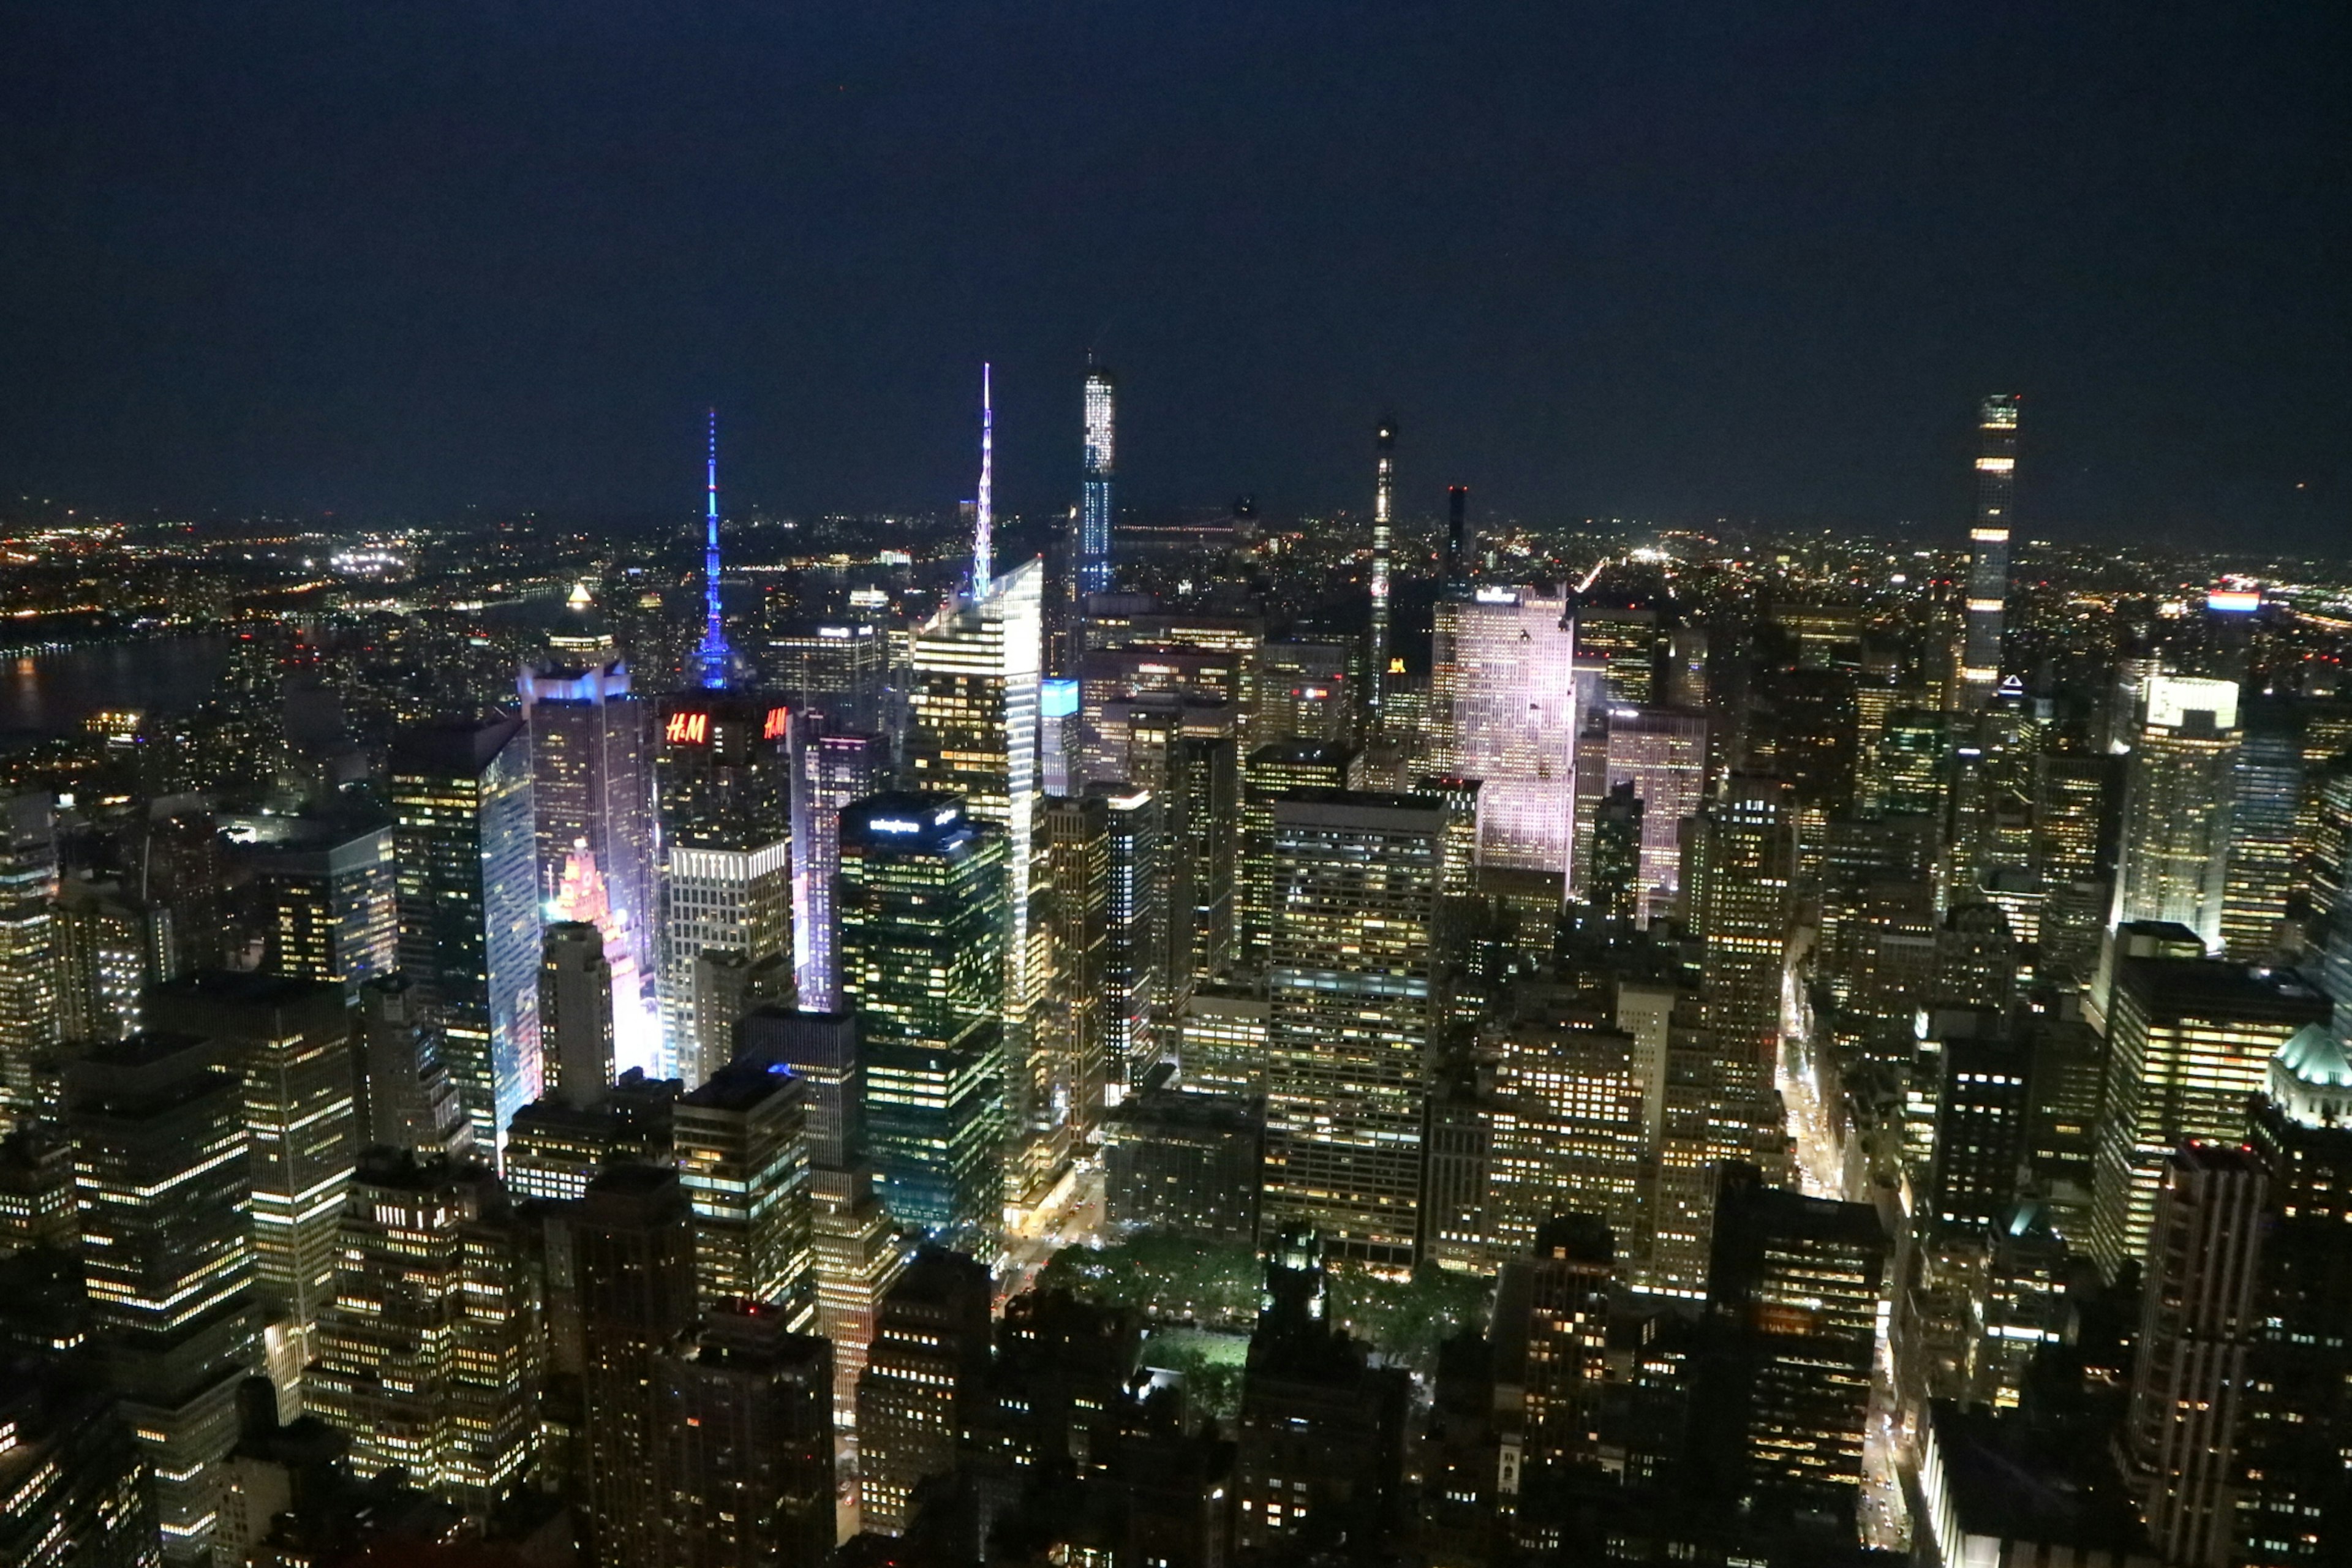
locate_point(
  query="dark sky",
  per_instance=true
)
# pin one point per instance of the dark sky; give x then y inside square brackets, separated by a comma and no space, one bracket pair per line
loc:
[1671,261]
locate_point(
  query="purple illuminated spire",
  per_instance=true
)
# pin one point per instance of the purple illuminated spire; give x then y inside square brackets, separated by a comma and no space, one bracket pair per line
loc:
[984,526]
[715,658]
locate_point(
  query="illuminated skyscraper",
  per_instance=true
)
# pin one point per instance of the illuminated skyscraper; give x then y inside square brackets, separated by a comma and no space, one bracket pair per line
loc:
[592,799]
[429,1356]
[461,801]
[1989,541]
[1066,1081]
[1268,773]
[724,773]
[292,1041]
[923,926]
[164,1188]
[329,899]
[834,769]
[1356,996]
[714,660]
[1503,709]
[1136,1012]
[1095,519]
[920,1387]
[2265,794]
[1738,883]
[743,1158]
[1376,671]
[2190,1043]
[1661,753]
[2176,816]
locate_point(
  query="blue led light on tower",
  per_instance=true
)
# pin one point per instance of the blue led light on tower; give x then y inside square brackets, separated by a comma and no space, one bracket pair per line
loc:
[714,659]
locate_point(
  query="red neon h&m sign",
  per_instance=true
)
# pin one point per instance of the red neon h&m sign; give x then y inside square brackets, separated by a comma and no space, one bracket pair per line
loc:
[687,730]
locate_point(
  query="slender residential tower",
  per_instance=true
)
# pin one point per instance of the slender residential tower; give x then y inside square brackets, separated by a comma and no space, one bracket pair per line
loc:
[983,532]
[714,659]
[1095,497]
[1989,539]
[1457,533]
[1383,532]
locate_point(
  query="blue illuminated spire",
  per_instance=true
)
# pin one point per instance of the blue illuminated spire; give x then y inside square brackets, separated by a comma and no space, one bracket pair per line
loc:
[716,659]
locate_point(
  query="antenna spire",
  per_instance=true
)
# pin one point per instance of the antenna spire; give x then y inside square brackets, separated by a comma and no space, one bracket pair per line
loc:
[984,522]
[715,658]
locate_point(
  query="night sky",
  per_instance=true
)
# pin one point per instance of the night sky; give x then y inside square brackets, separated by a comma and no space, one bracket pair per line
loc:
[1663,261]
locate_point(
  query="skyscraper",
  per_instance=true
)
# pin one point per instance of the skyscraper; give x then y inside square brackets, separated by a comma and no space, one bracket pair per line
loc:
[2200,1314]
[743,1158]
[1357,994]
[2176,817]
[834,769]
[1996,470]
[1376,664]
[923,928]
[714,659]
[921,1383]
[1096,517]
[2190,1043]
[1270,772]
[292,1041]
[593,800]
[1136,1015]
[1661,753]
[1067,1069]
[1503,710]
[575,1014]
[634,1251]
[747,1462]
[2266,795]
[724,771]
[429,1356]
[165,1192]
[1738,881]
[461,800]
[329,899]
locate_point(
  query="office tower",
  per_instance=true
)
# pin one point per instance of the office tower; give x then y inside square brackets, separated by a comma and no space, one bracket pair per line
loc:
[2190,1042]
[592,796]
[1270,772]
[328,897]
[107,952]
[834,769]
[2070,799]
[714,660]
[1738,881]
[923,956]
[1996,470]
[743,1158]
[1909,771]
[1613,884]
[1458,534]
[1320,1447]
[1304,694]
[856,1253]
[461,801]
[2265,794]
[835,669]
[1221,1041]
[72,1476]
[2176,816]
[1067,1069]
[292,1041]
[2198,1318]
[164,1191]
[1503,710]
[1061,737]
[974,687]
[2293,1493]
[1796,1282]
[37,1191]
[1135,943]
[921,1383]
[1356,996]
[1983,1123]
[1186,1163]
[402,1094]
[724,778]
[748,1462]
[633,1256]
[1621,641]
[1376,662]
[1551,1342]
[1977,961]
[29,1024]
[1096,518]
[575,1012]
[1568,1132]
[1661,753]
[428,1357]
[554,1151]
